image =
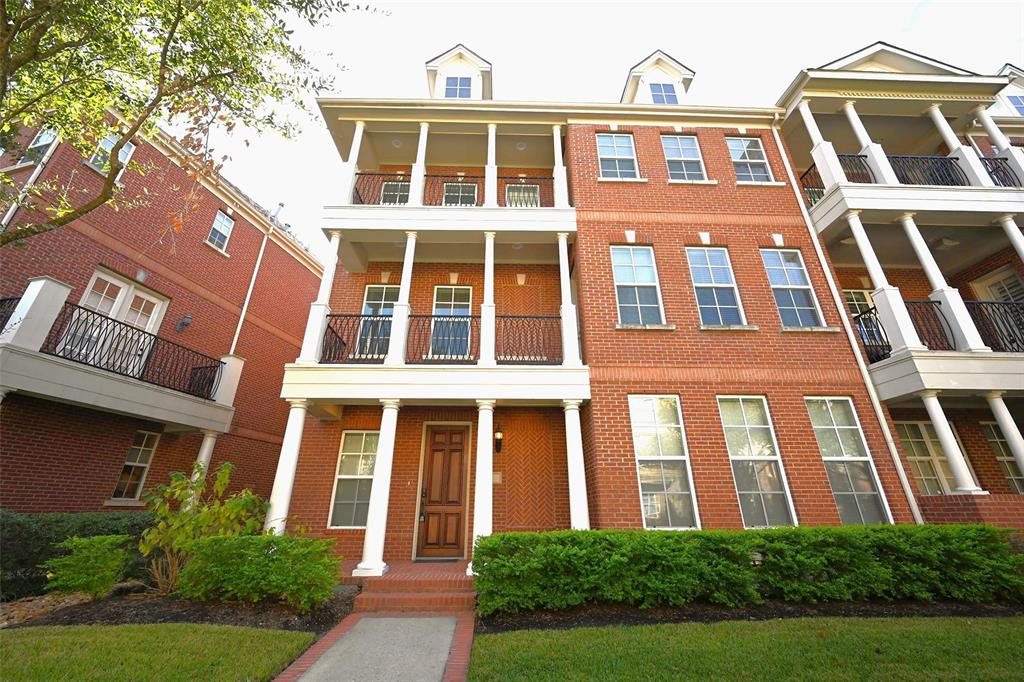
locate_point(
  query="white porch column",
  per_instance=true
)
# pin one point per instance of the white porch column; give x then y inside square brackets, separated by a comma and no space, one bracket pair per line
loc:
[561,178]
[957,463]
[284,479]
[965,156]
[483,491]
[951,304]
[999,140]
[205,453]
[419,168]
[377,514]
[35,314]
[351,167]
[570,331]
[579,511]
[400,316]
[316,323]
[892,310]
[1012,435]
[491,169]
[823,153]
[488,320]
[876,158]
[1013,233]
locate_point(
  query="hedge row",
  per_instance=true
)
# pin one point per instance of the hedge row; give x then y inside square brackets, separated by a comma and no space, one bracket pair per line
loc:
[556,570]
[29,540]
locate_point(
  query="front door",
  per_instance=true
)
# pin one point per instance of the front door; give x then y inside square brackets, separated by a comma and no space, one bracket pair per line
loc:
[443,495]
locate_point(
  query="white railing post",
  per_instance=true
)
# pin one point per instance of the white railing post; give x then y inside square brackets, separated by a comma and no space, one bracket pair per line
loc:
[579,510]
[230,375]
[351,167]
[419,169]
[316,323]
[488,319]
[287,463]
[491,169]
[372,562]
[35,314]
[560,183]
[824,154]
[567,311]
[400,316]
[877,161]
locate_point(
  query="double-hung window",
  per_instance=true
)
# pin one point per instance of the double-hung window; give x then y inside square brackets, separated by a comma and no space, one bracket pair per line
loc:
[636,285]
[664,93]
[682,154]
[717,298]
[756,464]
[791,288]
[1017,102]
[748,159]
[616,155]
[100,159]
[857,300]
[394,193]
[663,466]
[220,231]
[851,473]
[375,327]
[450,335]
[354,479]
[522,195]
[457,87]
[458,194]
[136,464]
[40,144]
[1001,450]
[928,464]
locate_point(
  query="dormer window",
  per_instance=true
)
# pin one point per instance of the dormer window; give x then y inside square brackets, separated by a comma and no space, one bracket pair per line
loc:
[1018,103]
[457,87]
[663,93]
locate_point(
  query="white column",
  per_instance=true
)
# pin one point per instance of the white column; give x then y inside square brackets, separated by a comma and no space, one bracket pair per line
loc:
[965,156]
[876,158]
[892,310]
[400,316]
[579,511]
[957,463]
[316,323]
[287,462]
[951,304]
[488,319]
[561,177]
[570,330]
[419,168]
[377,514]
[483,495]
[1013,233]
[823,153]
[1007,426]
[230,375]
[205,455]
[491,169]
[1000,141]
[949,138]
[351,167]
[35,314]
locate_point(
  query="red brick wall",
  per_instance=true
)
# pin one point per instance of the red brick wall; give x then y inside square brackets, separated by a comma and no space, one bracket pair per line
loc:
[912,282]
[962,280]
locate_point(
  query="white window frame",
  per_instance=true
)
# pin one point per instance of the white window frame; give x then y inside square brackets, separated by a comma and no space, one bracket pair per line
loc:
[469,323]
[618,175]
[868,300]
[685,457]
[734,286]
[777,457]
[764,152]
[227,235]
[1017,106]
[523,185]
[461,184]
[664,95]
[982,285]
[124,299]
[145,467]
[1001,450]
[700,159]
[98,162]
[43,145]
[880,491]
[399,184]
[809,287]
[367,325]
[458,87]
[616,283]
[338,476]
[935,455]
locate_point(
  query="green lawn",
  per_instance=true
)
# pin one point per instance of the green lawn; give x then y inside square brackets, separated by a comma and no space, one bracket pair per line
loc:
[173,651]
[804,648]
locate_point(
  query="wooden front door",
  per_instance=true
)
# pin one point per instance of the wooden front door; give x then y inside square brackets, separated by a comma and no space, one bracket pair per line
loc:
[443,495]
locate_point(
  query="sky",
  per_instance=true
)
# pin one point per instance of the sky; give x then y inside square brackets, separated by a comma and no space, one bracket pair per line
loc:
[743,53]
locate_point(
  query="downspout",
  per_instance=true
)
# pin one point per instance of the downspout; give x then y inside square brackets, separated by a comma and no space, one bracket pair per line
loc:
[876,404]
[248,294]
[24,188]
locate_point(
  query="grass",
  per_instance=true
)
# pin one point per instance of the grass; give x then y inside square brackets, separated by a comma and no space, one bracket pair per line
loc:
[804,648]
[172,651]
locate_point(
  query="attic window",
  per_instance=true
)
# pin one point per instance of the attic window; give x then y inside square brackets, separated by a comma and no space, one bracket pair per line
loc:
[663,93]
[457,87]
[1018,103]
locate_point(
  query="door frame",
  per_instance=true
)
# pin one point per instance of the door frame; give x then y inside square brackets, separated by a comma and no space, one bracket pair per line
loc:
[467,532]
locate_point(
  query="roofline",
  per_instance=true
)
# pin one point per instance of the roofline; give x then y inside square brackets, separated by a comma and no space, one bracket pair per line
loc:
[901,49]
[629,76]
[453,47]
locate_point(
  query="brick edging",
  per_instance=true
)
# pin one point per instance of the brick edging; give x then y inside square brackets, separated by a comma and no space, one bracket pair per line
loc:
[457,668]
[304,662]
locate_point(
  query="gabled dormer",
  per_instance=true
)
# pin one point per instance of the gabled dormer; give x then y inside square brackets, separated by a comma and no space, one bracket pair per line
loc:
[459,73]
[885,58]
[658,79]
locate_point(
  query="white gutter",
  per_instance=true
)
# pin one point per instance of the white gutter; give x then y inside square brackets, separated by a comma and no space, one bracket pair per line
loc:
[24,188]
[248,294]
[876,404]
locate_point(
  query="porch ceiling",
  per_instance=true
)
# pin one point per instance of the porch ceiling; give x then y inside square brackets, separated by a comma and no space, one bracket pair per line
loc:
[388,143]
[893,249]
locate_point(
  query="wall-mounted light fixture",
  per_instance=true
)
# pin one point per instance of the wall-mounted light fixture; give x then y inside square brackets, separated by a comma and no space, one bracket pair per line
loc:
[499,436]
[183,323]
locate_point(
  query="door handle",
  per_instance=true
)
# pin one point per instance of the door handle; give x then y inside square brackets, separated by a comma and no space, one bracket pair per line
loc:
[422,517]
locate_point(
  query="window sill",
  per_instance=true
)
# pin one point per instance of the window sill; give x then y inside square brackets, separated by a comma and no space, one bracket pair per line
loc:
[656,327]
[220,251]
[123,503]
[729,328]
[17,167]
[827,330]
[774,183]
[117,183]
[692,182]
[622,179]
[346,527]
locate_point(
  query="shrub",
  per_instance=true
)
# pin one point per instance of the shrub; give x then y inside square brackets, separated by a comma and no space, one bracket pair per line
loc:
[94,565]
[30,540]
[555,570]
[299,571]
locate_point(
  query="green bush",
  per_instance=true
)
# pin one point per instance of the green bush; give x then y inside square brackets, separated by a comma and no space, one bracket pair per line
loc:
[30,540]
[555,570]
[299,571]
[95,564]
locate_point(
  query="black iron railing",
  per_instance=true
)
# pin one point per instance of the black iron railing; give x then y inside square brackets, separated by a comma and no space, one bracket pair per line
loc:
[928,170]
[1000,171]
[453,190]
[381,189]
[443,339]
[876,344]
[528,339]
[1000,324]
[93,339]
[526,192]
[356,339]
[932,327]
[7,306]
[814,188]
[855,168]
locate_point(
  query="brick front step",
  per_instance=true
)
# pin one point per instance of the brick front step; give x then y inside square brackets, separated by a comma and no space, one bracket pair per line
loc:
[414,601]
[386,584]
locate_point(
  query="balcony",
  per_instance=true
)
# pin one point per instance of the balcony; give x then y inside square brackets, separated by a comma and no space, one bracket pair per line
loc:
[1001,171]
[931,326]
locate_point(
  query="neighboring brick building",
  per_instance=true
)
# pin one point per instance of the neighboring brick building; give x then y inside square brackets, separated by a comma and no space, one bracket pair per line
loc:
[129,349]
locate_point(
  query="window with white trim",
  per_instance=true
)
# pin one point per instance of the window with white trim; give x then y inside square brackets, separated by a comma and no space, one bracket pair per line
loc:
[636,285]
[663,465]
[353,481]
[748,159]
[375,331]
[857,300]
[1001,450]
[664,93]
[616,155]
[450,333]
[521,195]
[136,465]
[851,472]
[394,193]
[100,159]
[220,231]
[458,87]
[791,288]
[40,144]
[1017,102]
[928,464]
[459,194]
[682,154]
[1002,284]
[756,464]
[718,300]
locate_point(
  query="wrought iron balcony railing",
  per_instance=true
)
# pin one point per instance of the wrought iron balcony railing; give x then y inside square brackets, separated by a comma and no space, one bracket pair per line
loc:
[876,344]
[7,306]
[814,188]
[443,339]
[91,338]
[356,339]
[1000,324]
[526,192]
[528,339]
[856,169]
[453,190]
[1000,171]
[928,170]
[381,189]
[932,326]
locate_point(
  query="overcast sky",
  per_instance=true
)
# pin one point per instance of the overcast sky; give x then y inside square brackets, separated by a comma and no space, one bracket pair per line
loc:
[742,53]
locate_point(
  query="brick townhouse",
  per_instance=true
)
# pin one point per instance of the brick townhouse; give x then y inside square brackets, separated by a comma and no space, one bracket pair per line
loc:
[129,350]
[650,314]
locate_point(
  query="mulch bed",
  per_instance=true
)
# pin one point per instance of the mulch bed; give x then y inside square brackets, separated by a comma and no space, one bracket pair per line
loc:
[595,615]
[149,607]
